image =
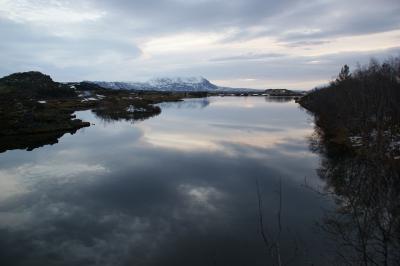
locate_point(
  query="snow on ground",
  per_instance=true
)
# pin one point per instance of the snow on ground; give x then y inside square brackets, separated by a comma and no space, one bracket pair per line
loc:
[132,109]
[89,99]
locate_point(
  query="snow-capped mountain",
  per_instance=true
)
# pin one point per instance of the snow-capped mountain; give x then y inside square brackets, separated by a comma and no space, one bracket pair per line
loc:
[183,84]
[171,84]
[164,84]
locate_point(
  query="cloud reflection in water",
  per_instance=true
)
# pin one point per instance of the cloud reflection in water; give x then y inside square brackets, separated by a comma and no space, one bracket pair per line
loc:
[177,189]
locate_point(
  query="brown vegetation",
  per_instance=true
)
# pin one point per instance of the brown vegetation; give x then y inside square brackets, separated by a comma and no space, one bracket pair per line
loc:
[357,121]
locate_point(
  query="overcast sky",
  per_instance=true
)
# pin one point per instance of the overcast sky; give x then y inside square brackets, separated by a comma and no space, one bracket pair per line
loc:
[238,43]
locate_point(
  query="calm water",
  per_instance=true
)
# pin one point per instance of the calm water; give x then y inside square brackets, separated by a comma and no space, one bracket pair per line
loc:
[176,189]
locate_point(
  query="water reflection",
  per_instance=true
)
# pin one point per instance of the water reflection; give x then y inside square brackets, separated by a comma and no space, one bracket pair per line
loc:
[192,103]
[177,189]
[30,142]
[280,99]
[365,226]
[129,114]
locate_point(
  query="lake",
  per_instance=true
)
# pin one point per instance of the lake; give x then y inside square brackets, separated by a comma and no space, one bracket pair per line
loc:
[187,187]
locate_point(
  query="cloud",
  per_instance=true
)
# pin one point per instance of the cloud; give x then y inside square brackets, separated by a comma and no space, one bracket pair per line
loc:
[47,12]
[29,48]
[136,40]
[249,56]
[305,43]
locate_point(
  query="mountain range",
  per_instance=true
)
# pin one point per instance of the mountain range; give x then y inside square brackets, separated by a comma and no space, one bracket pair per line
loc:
[171,84]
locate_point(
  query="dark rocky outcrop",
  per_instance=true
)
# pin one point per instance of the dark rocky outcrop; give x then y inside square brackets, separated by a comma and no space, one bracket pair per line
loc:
[33,85]
[32,113]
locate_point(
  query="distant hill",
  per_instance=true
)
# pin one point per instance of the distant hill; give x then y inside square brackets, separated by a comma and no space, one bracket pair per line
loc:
[37,85]
[184,84]
[177,84]
[33,85]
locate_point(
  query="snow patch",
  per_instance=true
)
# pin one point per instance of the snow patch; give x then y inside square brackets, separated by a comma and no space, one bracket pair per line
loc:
[132,109]
[89,99]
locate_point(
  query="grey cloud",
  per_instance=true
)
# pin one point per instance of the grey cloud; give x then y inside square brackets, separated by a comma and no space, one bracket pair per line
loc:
[289,68]
[249,56]
[338,19]
[305,43]
[332,18]
[27,48]
[205,15]
[282,20]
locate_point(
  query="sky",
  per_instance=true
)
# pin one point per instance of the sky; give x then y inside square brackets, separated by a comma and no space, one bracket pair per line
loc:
[294,44]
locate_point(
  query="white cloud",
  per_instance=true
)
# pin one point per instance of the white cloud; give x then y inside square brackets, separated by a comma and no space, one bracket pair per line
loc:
[22,179]
[28,11]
